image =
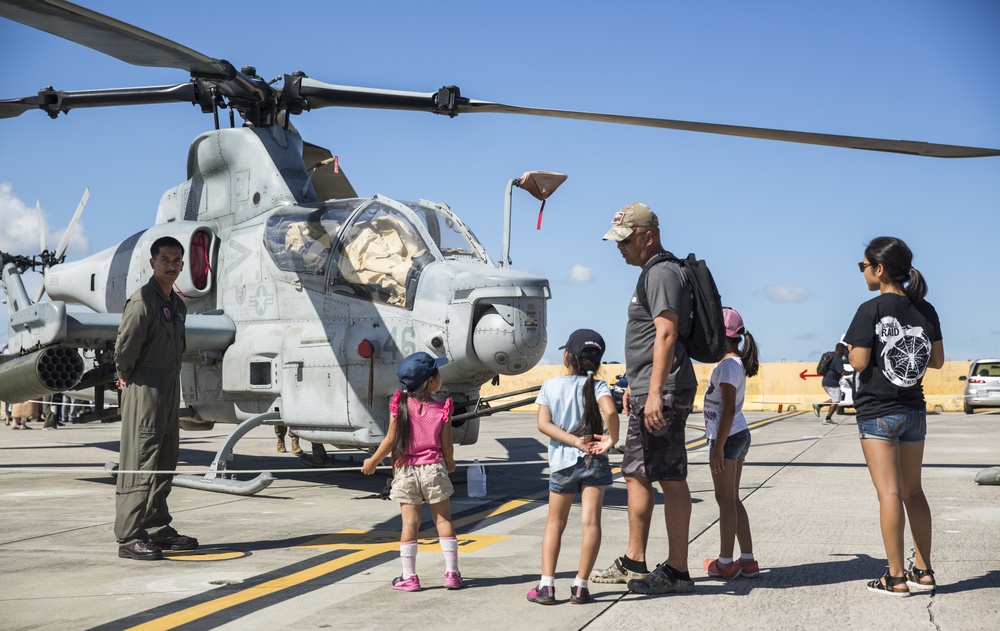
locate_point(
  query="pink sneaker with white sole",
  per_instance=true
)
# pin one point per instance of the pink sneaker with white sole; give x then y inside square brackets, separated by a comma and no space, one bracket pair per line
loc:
[410,584]
[453,580]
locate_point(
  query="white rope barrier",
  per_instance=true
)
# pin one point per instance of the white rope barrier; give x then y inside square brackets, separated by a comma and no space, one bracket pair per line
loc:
[327,469]
[320,469]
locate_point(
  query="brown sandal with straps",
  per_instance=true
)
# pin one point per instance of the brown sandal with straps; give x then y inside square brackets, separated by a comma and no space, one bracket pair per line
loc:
[887,585]
[915,575]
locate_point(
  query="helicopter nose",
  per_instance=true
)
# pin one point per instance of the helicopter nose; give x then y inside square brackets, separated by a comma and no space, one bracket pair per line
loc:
[509,337]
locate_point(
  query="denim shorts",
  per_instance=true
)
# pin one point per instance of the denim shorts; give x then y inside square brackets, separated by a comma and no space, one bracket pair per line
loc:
[904,426]
[589,470]
[736,447]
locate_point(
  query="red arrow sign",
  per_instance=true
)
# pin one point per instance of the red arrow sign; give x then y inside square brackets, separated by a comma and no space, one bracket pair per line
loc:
[803,375]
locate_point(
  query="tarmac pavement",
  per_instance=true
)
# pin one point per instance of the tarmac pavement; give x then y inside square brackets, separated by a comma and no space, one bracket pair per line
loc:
[305,554]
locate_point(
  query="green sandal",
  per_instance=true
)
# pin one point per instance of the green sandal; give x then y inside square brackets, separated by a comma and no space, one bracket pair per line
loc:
[913,577]
[887,585]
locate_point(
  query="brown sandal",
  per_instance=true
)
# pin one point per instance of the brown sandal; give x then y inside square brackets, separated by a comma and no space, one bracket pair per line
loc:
[913,577]
[887,585]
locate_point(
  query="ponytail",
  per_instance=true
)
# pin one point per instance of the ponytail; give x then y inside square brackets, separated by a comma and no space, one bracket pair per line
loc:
[591,411]
[404,430]
[916,287]
[750,354]
[401,441]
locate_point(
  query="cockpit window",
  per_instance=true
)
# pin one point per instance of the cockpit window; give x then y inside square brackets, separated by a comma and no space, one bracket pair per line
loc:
[380,255]
[300,240]
[448,234]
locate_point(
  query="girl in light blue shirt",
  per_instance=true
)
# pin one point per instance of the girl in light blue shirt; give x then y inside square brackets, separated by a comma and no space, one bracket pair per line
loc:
[573,411]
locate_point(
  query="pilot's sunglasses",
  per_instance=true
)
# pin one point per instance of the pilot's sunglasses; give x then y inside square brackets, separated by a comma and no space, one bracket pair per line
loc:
[862,265]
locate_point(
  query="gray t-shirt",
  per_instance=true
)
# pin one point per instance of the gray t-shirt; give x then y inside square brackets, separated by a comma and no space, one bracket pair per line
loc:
[667,290]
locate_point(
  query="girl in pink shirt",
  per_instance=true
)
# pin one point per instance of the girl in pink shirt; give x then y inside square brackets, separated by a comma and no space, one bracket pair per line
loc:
[419,438]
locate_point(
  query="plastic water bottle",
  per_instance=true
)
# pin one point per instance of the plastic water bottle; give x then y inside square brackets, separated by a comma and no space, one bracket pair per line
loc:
[476,478]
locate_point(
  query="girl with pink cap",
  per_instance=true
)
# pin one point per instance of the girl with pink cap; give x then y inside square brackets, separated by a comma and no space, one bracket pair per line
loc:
[728,443]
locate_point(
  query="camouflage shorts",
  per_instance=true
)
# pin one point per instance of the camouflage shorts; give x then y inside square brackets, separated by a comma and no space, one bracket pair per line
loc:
[659,455]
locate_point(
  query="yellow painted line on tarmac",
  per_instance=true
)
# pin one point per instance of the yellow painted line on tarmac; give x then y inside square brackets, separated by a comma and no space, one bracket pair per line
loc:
[700,442]
[366,543]
[207,555]
[361,539]
[196,612]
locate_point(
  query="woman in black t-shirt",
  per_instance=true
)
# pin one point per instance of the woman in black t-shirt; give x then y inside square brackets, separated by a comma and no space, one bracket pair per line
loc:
[893,339]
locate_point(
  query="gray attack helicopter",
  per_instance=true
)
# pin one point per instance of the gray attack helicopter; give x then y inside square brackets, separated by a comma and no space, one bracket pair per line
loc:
[302,296]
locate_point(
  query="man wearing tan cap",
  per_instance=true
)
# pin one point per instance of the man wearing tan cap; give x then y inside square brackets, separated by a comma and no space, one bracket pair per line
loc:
[659,398]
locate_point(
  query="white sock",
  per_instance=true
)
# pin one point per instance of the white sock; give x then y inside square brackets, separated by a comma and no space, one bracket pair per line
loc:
[724,561]
[581,582]
[746,556]
[408,555]
[449,545]
[547,581]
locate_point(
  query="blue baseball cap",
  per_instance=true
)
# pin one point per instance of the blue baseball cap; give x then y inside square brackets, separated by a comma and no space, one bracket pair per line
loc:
[417,368]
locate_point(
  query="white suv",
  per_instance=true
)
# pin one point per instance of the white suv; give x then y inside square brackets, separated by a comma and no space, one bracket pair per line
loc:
[982,388]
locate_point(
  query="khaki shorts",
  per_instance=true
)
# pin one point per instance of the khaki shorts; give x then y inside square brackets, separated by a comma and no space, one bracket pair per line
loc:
[421,483]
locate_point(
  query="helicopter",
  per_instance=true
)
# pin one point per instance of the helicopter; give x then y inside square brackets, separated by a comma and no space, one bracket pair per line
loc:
[302,296]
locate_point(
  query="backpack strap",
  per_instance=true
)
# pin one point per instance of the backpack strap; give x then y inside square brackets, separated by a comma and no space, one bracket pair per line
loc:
[640,287]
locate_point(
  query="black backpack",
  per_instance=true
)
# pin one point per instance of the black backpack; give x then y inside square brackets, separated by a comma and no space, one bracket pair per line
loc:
[707,340]
[823,366]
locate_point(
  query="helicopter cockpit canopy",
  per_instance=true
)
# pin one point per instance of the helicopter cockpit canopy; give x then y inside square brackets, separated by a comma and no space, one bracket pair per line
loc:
[374,247]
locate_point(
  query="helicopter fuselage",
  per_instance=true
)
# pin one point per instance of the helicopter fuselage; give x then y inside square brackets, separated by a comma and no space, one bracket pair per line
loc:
[309,305]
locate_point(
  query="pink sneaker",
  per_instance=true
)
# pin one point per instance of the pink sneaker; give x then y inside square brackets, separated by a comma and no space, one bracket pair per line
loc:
[411,584]
[729,572]
[453,580]
[543,595]
[749,569]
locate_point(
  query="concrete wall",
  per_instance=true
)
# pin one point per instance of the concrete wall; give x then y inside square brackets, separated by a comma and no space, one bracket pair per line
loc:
[777,384]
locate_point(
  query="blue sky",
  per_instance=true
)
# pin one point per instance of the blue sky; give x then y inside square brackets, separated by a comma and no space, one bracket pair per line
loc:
[782,225]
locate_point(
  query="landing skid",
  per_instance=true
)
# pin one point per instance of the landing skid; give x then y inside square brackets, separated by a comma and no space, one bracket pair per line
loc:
[217,479]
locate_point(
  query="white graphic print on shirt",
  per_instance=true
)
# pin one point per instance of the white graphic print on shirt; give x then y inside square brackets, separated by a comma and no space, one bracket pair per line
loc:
[906,351]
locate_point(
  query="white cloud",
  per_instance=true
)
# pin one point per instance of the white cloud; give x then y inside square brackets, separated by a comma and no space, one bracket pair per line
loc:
[786,293]
[19,227]
[581,274]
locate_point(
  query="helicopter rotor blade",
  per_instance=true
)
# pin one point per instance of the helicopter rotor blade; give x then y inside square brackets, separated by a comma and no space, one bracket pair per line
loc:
[55,101]
[64,242]
[41,226]
[909,147]
[319,94]
[449,102]
[112,37]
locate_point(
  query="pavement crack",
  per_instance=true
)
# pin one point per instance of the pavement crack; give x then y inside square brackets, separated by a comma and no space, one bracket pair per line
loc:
[930,614]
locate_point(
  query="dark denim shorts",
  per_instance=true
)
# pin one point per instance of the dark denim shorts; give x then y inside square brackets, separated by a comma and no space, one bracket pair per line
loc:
[736,447]
[904,426]
[588,471]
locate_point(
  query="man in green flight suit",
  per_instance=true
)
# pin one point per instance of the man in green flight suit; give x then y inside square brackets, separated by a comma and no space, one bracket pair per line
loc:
[148,360]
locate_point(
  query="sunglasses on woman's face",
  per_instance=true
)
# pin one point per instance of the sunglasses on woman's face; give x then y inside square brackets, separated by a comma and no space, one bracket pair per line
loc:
[862,265]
